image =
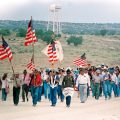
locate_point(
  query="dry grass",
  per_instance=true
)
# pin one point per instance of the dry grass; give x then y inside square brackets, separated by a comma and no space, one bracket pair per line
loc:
[98,50]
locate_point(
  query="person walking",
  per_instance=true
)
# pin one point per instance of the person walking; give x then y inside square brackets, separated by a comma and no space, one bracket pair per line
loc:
[113,82]
[106,85]
[40,89]
[17,82]
[83,81]
[5,86]
[68,84]
[60,93]
[97,79]
[53,87]
[25,86]
[35,83]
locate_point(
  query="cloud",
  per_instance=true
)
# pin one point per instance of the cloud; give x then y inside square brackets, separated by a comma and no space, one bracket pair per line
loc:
[72,10]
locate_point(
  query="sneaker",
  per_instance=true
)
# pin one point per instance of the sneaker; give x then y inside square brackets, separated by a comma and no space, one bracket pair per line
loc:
[34,105]
[68,106]
[53,105]
[106,98]
[83,102]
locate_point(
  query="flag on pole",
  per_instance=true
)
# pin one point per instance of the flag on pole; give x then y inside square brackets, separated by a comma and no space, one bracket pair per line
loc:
[30,36]
[54,51]
[80,61]
[5,51]
[59,50]
[30,65]
[3,54]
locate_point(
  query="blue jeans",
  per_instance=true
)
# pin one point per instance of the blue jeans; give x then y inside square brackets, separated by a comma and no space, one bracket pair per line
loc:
[49,93]
[101,88]
[60,93]
[92,88]
[53,93]
[97,90]
[68,100]
[83,92]
[45,86]
[107,88]
[114,88]
[34,93]
[39,93]
[4,94]
[118,90]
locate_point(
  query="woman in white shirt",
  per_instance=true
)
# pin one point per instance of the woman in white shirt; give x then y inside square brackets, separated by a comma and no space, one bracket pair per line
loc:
[5,87]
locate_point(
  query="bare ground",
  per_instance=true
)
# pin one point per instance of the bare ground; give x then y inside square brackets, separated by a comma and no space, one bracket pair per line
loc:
[91,110]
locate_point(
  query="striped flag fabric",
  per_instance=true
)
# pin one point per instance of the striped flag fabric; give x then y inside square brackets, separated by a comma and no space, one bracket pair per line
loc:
[52,53]
[30,35]
[31,65]
[5,51]
[80,61]
[3,54]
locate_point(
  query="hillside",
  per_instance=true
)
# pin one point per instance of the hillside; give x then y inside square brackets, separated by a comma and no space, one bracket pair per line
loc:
[67,28]
[98,50]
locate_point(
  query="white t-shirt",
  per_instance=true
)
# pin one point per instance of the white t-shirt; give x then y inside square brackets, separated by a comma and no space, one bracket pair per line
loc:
[5,83]
[82,79]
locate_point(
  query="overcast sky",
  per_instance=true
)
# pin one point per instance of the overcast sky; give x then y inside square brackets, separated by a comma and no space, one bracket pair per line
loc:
[89,11]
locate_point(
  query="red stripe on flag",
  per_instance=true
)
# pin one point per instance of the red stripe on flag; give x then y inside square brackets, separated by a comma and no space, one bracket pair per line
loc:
[30,36]
[31,66]
[80,62]
[52,54]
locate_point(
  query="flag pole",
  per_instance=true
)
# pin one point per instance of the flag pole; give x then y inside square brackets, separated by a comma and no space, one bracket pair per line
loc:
[12,67]
[33,47]
[33,53]
[52,66]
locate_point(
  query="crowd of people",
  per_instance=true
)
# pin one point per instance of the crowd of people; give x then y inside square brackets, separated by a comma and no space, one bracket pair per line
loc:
[101,81]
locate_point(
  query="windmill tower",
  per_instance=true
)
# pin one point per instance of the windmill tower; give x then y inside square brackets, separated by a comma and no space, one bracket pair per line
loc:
[54,18]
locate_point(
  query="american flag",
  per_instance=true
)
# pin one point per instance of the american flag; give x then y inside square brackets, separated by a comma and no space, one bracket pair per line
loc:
[52,53]
[31,65]
[80,61]
[3,54]
[5,51]
[30,36]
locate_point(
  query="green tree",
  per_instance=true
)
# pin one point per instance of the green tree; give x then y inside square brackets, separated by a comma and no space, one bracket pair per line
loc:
[47,36]
[21,32]
[103,32]
[5,32]
[39,33]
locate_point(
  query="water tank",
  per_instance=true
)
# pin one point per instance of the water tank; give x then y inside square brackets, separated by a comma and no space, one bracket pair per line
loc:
[54,7]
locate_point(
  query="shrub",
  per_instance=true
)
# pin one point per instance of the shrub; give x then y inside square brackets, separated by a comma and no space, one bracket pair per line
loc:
[75,40]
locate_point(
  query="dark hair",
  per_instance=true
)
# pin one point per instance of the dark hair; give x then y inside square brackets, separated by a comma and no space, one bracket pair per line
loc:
[68,71]
[49,72]
[25,71]
[4,76]
[81,70]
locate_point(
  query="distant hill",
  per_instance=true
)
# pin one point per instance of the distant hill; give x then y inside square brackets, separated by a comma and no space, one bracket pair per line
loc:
[99,49]
[67,28]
